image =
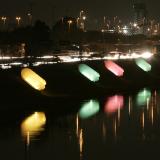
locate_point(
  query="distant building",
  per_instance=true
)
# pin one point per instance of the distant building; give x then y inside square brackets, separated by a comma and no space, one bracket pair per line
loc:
[140,16]
[81,20]
[140,13]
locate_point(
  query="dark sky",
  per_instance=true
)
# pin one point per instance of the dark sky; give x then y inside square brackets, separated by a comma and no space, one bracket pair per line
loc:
[45,9]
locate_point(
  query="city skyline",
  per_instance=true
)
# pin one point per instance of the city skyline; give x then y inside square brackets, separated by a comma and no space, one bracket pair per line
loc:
[50,11]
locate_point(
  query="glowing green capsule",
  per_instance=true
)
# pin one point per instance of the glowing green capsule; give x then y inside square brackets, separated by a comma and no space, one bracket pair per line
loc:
[89,109]
[145,66]
[89,73]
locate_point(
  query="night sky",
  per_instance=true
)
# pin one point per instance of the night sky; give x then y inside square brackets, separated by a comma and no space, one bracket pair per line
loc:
[47,9]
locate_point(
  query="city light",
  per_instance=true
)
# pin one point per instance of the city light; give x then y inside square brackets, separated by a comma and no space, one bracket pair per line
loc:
[135,24]
[33,79]
[89,73]
[147,55]
[69,24]
[4,20]
[84,17]
[18,20]
[29,18]
[140,24]
[81,20]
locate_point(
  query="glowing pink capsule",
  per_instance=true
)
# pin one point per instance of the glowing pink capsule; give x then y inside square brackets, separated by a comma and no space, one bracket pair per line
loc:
[114,103]
[114,68]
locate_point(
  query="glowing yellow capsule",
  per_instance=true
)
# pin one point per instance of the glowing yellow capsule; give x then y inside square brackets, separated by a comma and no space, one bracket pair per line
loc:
[33,79]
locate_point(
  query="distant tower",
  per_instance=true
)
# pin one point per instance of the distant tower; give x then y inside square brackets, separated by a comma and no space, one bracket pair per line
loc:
[140,14]
[30,13]
[81,20]
[53,17]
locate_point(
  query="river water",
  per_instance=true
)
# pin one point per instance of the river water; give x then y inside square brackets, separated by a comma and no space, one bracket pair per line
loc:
[110,127]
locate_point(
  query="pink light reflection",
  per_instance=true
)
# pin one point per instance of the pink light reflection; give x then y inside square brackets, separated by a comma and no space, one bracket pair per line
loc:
[114,103]
[114,68]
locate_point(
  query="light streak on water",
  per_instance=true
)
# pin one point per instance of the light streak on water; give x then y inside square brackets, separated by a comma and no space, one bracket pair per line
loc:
[7,62]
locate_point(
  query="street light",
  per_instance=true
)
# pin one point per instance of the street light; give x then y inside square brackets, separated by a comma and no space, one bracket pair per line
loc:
[18,20]
[81,12]
[4,20]
[84,17]
[29,18]
[69,24]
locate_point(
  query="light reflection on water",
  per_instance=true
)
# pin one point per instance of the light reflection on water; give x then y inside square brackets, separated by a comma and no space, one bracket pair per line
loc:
[33,126]
[89,109]
[114,103]
[112,124]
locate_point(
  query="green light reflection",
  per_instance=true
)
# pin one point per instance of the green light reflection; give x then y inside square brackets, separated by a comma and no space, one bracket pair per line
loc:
[89,109]
[143,96]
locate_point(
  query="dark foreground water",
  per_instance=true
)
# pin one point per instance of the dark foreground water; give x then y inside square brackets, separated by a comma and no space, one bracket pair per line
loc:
[111,127]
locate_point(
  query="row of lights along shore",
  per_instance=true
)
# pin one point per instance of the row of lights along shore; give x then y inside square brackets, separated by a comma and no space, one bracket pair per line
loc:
[17,19]
[80,20]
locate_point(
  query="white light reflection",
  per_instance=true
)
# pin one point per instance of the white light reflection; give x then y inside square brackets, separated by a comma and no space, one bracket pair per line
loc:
[5,67]
[115,128]
[143,120]
[81,143]
[130,106]
[104,131]
[46,57]
[72,57]
[152,115]
[77,125]
[16,63]
[68,59]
